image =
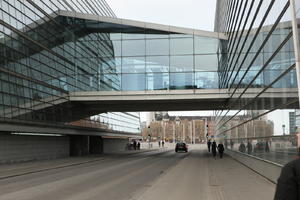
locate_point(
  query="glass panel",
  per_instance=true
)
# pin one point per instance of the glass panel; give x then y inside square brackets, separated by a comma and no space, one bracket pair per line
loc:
[133,64]
[133,48]
[109,48]
[181,63]
[157,63]
[135,82]
[109,82]
[206,62]
[206,80]
[181,81]
[204,45]
[179,46]
[157,47]
[111,65]
[157,81]
[115,36]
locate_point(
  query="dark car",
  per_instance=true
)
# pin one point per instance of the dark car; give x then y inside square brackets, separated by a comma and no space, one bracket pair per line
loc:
[181,146]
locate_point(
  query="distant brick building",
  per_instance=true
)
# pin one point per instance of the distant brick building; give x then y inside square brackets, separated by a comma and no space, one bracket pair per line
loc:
[179,128]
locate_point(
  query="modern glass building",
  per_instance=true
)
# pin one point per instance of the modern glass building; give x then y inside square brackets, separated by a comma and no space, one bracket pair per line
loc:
[49,49]
[260,58]
[44,56]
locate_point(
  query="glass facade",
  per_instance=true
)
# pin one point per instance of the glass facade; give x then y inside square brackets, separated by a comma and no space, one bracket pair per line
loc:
[260,58]
[44,56]
[48,50]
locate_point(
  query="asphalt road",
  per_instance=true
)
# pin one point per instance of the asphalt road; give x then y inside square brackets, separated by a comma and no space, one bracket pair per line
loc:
[153,175]
[115,177]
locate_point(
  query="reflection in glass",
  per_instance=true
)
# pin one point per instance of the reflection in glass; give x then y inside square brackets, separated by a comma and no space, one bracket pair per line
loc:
[181,63]
[157,81]
[133,64]
[206,62]
[134,82]
[206,80]
[157,63]
[180,46]
[131,36]
[181,81]
[204,45]
[109,48]
[157,47]
[110,65]
[110,82]
[133,48]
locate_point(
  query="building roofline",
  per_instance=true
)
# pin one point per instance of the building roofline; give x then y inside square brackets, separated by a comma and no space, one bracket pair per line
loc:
[141,24]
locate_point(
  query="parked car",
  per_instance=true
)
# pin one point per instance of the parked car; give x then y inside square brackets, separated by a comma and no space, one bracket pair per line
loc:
[181,146]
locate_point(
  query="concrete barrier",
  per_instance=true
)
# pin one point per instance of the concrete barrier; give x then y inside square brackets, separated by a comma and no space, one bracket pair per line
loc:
[267,169]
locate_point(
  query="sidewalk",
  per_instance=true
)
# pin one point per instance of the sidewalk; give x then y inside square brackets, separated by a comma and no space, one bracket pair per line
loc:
[199,176]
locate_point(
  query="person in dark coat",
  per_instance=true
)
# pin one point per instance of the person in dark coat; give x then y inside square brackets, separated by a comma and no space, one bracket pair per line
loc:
[208,145]
[242,147]
[138,145]
[288,184]
[249,147]
[134,145]
[214,149]
[221,150]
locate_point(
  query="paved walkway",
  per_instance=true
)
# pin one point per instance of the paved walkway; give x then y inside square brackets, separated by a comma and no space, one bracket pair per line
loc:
[199,176]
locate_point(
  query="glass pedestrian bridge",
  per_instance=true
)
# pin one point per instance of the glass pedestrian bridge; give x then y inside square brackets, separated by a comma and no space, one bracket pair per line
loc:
[68,59]
[116,54]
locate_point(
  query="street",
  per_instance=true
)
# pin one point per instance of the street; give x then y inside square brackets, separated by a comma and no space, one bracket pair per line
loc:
[161,174]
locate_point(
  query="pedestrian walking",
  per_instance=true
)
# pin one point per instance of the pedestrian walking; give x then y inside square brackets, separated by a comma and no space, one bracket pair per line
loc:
[249,147]
[138,145]
[221,149]
[163,144]
[208,145]
[288,184]
[159,143]
[134,145]
[267,148]
[214,149]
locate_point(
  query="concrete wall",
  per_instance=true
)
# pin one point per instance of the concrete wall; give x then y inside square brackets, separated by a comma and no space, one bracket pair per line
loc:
[114,145]
[265,168]
[19,148]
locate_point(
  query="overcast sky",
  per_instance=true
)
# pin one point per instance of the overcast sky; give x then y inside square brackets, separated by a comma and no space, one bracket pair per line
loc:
[197,14]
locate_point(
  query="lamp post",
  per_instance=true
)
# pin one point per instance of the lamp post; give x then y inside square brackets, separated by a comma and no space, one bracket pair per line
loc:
[164,126]
[149,137]
[173,132]
[205,127]
[177,121]
[191,133]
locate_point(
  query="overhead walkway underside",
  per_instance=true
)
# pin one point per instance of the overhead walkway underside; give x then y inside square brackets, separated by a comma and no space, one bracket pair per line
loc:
[176,100]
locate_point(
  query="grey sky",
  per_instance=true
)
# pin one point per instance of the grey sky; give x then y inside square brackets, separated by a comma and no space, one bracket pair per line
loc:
[198,14]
